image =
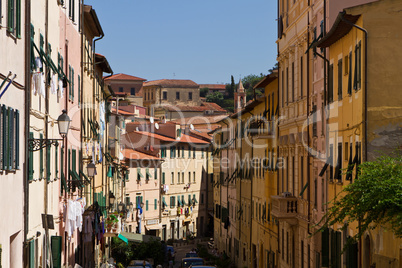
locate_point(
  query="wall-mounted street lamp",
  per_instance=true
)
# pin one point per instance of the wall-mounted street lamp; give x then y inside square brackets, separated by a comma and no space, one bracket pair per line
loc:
[91,169]
[63,121]
[112,198]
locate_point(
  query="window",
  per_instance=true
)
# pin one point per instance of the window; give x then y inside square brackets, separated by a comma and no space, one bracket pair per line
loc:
[331,83]
[182,177]
[283,89]
[357,78]
[172,202]
[164,95]
[71,9]
[301,77]
[293,81]
[178,177]
[14,17]
[155,204]
[340,75]
[163,177]
[146,205]
[287,85]
[152,95]
[120,89]
[177,95]
[79,90]
[190,95]
[350,74]
[9,139]
[194,176]
[155,173]
[172,175]
[132,91]
[182,152]
[189,177]
[346,153]
[193,152]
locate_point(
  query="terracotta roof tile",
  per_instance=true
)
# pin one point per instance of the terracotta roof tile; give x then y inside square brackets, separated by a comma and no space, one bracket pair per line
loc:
[124,77]
[189,139]
[213,86]
[136,155]
[205,106]
[172,83]
[122,112]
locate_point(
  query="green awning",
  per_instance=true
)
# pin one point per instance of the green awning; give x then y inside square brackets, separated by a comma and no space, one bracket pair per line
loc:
[85,177]
[304,188]
[122,237]
[76,178]
[139,173]
[164,203]
[195,199]
[109,172]
[179,202]
[64,184]
[147,172]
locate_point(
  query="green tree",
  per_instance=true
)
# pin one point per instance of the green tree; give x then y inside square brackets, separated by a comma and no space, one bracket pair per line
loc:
[204,91]
[215,97]
[249,82]
[374,199]
[228,104]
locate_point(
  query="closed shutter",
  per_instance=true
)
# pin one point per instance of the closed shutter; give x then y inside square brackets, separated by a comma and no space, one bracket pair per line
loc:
[18,18]
[10,138]
[56,158]
[163,177]
[32,254]
[155,174]
[10,18]
[331,83]
[48,173]
[155,204]
[56,251]
[325,247]
[30,161]
[72,84]
[146,205]
[79,90]
[4,112]
[41,159]
[17,140]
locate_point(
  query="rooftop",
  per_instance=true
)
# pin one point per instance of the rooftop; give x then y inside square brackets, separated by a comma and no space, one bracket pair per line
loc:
[172,83]
[126,77]
[136,155]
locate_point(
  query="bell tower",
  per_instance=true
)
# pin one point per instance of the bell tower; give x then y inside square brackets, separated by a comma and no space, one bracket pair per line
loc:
[239,98]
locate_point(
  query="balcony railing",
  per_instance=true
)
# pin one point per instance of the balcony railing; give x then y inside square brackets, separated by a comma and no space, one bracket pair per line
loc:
[285,208]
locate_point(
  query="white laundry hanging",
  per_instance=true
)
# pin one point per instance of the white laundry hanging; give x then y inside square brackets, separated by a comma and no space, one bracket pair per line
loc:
[53,84]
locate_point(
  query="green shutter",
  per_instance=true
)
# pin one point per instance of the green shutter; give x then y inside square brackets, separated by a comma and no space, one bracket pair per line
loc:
[41,169]
[10,18]
[74,160]
[5,141]
[163,177]
[325,247]
[56,251]
[32,253]
[155,204]
[56,158]
[63,179]
[156,174]
[189,199]
[146,205]
[30,160]
[18,19]
[10,138]
[79,90]
[48,173]
[17,140]
[69,84]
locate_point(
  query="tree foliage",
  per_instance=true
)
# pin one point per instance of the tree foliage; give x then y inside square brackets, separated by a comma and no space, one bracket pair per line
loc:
[249,82]
[374,199]
[123,253]
[216,97]
[204,91]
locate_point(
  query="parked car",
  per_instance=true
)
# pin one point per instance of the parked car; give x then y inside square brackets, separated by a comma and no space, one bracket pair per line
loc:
[191,254]
[189,262]
[139,263]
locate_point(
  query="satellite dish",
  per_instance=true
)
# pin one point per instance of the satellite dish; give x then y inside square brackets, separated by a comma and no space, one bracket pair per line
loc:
[191,126]
[151,119]
[136,129]
[156,125]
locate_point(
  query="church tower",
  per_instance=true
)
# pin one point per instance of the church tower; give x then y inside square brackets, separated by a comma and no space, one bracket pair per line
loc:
[239,98]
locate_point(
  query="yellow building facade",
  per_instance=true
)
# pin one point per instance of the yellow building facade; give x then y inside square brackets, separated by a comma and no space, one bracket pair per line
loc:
[362,114]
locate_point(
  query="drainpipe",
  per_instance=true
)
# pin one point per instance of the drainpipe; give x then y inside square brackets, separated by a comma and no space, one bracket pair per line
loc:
[365,106]
[26,130]
[308,130]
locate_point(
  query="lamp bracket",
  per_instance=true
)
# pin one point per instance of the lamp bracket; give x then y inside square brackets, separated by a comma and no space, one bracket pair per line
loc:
[37,144]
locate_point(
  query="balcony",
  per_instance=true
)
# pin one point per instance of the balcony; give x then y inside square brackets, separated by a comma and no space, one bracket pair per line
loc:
[284,208]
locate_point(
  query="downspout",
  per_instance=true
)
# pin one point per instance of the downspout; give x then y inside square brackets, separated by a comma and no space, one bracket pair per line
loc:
[308,128]
[365,107]
[27,109]
[47,72]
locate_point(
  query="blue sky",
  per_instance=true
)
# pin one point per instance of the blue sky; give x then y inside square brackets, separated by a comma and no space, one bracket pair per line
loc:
[206,41]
